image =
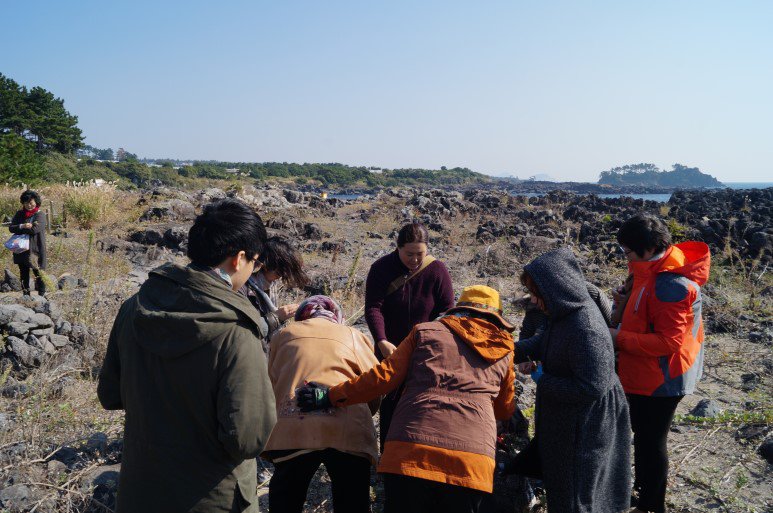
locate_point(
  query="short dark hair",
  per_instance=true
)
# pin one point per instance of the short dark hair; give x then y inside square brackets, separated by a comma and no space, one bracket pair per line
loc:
[223,229]
[412,232]
[644,232]
[28,195]
[279,256]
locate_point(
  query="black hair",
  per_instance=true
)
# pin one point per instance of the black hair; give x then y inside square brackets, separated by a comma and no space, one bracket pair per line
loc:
[279,256]
[223,229]
[644,232]
[28,195]
[412,232]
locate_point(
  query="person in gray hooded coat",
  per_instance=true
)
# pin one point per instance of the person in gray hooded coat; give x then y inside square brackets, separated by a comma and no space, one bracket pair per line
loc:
[582,426]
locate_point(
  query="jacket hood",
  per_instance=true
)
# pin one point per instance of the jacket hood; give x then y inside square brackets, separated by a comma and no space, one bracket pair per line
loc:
[689,259]
[487,339]
[181,308]
[560,282]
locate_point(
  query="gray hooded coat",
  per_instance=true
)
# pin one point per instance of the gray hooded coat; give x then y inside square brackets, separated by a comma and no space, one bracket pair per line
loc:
[582,424]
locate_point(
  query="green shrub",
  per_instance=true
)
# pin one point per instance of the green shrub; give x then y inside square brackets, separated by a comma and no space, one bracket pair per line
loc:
[678,231]
[63,168]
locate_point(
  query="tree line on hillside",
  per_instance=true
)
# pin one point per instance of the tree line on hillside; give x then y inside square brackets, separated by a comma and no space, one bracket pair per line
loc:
[33,122]
[120,155]
[327,174]
[40,140]
[650,174]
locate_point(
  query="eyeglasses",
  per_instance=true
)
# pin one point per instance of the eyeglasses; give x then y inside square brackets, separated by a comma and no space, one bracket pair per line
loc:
[257,265]
[624,250]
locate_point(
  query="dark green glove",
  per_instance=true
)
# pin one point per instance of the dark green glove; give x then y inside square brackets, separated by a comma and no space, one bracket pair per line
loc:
[313,396]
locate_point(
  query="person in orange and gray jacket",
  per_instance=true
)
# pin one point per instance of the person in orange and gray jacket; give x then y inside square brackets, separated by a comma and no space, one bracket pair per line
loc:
[660,343]
[458,380]
[319,347]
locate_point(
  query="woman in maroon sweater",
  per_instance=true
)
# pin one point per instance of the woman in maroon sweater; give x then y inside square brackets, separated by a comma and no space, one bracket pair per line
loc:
[404,288]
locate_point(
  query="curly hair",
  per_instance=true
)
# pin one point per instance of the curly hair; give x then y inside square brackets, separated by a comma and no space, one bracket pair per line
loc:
[28,195]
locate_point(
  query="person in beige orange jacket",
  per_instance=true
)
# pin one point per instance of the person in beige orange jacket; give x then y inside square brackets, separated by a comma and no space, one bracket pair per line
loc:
[318,347]
[458,377]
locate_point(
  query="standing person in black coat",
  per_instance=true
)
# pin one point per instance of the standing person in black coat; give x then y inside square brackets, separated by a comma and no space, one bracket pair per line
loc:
[30,220]
[581,417]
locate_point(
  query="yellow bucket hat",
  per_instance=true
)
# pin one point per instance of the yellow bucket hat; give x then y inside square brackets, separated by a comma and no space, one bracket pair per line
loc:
[483,299]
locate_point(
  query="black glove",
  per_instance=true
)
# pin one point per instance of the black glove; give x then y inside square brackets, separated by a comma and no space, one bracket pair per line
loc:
[313,396]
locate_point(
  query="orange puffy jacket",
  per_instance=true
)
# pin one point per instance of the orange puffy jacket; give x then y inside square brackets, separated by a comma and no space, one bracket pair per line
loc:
[661,336]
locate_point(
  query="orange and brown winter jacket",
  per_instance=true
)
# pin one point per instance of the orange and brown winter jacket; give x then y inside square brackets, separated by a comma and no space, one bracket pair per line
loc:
[661,335]
[459,378]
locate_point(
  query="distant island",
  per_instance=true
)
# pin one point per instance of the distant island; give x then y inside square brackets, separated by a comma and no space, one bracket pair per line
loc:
[648,175]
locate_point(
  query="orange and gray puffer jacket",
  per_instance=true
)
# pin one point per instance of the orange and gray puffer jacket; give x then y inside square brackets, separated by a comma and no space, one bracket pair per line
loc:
[661,335]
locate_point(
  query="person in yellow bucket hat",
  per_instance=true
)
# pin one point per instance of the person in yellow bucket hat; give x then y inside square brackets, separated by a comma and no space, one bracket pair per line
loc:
[458,380]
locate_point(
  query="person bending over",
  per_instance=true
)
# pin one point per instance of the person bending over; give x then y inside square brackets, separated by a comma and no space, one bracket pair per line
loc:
[458,380]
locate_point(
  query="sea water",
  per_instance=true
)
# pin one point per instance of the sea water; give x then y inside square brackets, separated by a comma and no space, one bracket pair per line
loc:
[660,198]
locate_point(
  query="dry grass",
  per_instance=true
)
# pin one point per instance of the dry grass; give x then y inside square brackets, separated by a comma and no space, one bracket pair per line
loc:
[9,201]
[56,416]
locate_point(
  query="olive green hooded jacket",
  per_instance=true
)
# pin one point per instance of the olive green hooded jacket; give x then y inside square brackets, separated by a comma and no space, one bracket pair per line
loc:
[184,360]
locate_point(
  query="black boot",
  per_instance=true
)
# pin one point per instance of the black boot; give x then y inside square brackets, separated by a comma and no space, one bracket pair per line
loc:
[40,286]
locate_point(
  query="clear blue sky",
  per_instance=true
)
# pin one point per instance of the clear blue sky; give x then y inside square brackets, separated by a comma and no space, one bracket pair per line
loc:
[564,88]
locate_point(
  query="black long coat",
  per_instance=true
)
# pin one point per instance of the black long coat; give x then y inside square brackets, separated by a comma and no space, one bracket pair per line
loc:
[582,424]
[37,238]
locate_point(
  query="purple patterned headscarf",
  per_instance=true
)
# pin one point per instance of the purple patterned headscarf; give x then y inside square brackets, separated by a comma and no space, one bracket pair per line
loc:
[320,306]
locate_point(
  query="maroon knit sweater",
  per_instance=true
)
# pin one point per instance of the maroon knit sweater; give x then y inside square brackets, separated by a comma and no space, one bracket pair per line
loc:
[421,299]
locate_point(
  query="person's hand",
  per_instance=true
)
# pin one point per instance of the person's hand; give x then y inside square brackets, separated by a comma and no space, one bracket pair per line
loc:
[525,367]
[619,296]
[386,348]
[27,225]
[286,311]
[313,396]
[536,374]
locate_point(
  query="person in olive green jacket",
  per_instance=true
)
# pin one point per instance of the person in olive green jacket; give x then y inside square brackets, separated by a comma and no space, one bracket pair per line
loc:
[184,360]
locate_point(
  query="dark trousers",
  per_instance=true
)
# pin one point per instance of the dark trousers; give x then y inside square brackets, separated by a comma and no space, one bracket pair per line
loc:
[406,494]
[349,475]
[651,420]
[24,277]
[385,412]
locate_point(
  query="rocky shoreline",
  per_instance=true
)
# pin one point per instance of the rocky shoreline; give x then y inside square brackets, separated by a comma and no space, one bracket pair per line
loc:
[485,235]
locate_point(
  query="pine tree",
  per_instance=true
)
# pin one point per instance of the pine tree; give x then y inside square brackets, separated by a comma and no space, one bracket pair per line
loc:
[38,116]
[18,161]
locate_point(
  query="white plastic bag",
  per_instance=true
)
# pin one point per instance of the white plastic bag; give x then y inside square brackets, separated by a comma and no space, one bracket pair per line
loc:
[18,243]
